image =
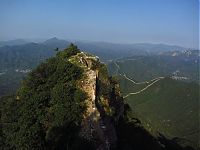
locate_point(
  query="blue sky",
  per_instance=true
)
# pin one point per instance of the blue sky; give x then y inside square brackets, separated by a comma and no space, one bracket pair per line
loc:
[118,21]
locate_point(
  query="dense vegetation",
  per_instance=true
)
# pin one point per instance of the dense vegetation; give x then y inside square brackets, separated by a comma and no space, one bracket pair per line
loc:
[169,106]
[172,108]
[23,57]
[47,110]
[133,136]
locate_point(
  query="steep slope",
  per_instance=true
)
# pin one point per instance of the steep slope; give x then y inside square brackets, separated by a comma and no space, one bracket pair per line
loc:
[169,107]
[62,104]
[70,102]
[17,60]
[103,101]
[163,104]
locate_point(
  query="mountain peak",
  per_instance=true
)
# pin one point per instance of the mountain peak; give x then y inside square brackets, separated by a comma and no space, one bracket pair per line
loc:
[55,42]
[101,107]
[78,100]
[52,40]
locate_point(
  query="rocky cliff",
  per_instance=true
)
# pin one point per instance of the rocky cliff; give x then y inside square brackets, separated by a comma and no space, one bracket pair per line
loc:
[104,103]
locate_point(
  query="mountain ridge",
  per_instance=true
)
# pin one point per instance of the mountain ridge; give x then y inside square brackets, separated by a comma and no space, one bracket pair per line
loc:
[70,102]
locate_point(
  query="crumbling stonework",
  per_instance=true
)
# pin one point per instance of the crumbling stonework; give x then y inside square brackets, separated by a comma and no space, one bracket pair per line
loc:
[97,124]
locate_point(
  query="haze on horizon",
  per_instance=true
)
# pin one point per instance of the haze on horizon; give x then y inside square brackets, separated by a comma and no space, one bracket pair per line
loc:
[174,22]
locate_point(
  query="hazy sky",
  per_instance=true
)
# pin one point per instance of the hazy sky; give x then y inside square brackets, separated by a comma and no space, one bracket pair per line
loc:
[119,21]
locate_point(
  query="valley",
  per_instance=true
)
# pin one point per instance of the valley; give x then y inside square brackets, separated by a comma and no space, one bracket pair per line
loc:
[164,104]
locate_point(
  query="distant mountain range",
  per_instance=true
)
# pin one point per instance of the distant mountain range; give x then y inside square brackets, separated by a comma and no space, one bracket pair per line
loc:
[22,55]
[103,49]
[25,54]
[180,66]
[13,42]
[185,53]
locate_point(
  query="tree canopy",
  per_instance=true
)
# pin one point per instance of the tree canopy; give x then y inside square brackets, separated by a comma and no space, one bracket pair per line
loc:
[47,110]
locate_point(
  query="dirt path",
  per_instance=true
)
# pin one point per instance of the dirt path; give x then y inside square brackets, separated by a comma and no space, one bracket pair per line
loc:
[143,88]
[137,83]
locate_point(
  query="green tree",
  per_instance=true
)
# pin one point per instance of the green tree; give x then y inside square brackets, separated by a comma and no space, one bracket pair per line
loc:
[47,110]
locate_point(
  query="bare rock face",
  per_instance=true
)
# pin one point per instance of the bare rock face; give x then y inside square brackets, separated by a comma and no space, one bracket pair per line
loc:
[92,114]
[104,103]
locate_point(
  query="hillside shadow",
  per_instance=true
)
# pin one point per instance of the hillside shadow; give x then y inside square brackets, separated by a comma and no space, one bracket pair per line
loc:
[132,136]
[172,144]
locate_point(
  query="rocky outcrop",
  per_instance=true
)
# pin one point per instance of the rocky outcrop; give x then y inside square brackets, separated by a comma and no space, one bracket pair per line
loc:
[92,115]
[104,103]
